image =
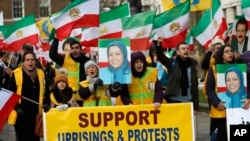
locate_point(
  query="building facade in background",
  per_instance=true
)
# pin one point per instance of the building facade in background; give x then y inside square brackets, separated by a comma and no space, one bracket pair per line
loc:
[15,9]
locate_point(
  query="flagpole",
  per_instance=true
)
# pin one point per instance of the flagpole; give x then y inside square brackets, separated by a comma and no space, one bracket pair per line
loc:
[11,55]
[211,16]
[30,100]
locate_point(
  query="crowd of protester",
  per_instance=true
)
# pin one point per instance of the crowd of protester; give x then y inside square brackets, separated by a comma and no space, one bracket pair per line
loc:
[72,79]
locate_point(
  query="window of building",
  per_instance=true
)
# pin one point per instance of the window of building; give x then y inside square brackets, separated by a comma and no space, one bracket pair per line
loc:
[18,8]
[44,8]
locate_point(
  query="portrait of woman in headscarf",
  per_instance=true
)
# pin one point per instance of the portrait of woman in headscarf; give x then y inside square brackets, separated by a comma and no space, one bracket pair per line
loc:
[118,69]
[235,94]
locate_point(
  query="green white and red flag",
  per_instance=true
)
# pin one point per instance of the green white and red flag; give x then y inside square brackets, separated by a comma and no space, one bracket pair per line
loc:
[138,28]
[76,33]
[90,37]
[172,25]
[245,5]
[111,22]
[20,32]
[110,26]
[8,101]
[78,14]
[212,24]
[190,41]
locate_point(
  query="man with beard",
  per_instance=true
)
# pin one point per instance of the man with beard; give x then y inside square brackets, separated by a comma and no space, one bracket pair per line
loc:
[239,44]
[73,63]
[183,81]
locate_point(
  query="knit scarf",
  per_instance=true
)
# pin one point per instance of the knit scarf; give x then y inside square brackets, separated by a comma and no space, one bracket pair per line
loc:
[184,64]
[63,96]
[91,79]
[32,74]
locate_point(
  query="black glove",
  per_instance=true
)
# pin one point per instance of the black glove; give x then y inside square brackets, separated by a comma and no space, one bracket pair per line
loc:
[19,110]
[49,71]
[98,82]
[116,86]
[46,108]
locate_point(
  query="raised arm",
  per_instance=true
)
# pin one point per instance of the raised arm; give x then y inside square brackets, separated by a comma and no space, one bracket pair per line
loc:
[53,53]
[167,62]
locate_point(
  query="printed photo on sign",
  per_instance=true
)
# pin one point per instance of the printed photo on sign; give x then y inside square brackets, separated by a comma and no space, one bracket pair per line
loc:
[231,84]
[114,60]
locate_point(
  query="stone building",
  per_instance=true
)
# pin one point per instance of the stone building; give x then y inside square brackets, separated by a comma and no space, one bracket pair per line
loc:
[15,9]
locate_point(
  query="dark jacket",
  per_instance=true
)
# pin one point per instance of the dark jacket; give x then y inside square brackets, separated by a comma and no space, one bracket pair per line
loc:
[29,90]
[205,63]
[4,77]
[173,87]
[234,45]
[152,50]
[210,88]
[63,97]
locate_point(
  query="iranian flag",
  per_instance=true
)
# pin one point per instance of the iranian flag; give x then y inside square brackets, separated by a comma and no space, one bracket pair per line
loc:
[245,5]
[90,37]
[190,41]
[206,29]
[8,101]
[172,25]
[110,26]
[78,14]
[111,23]
[41,50]
[20,32]
[76,33]
[138,28]
[220,72]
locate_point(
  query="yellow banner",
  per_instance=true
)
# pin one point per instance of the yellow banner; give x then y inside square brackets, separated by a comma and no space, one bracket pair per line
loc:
[45,27]
[196,5]
[121,123]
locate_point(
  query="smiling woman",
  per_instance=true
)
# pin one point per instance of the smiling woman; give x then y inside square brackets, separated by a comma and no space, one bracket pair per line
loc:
[236,94]
[119,68]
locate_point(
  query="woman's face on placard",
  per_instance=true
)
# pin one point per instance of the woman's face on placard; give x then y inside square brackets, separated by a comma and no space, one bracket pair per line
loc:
[115,56]
[232,82]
